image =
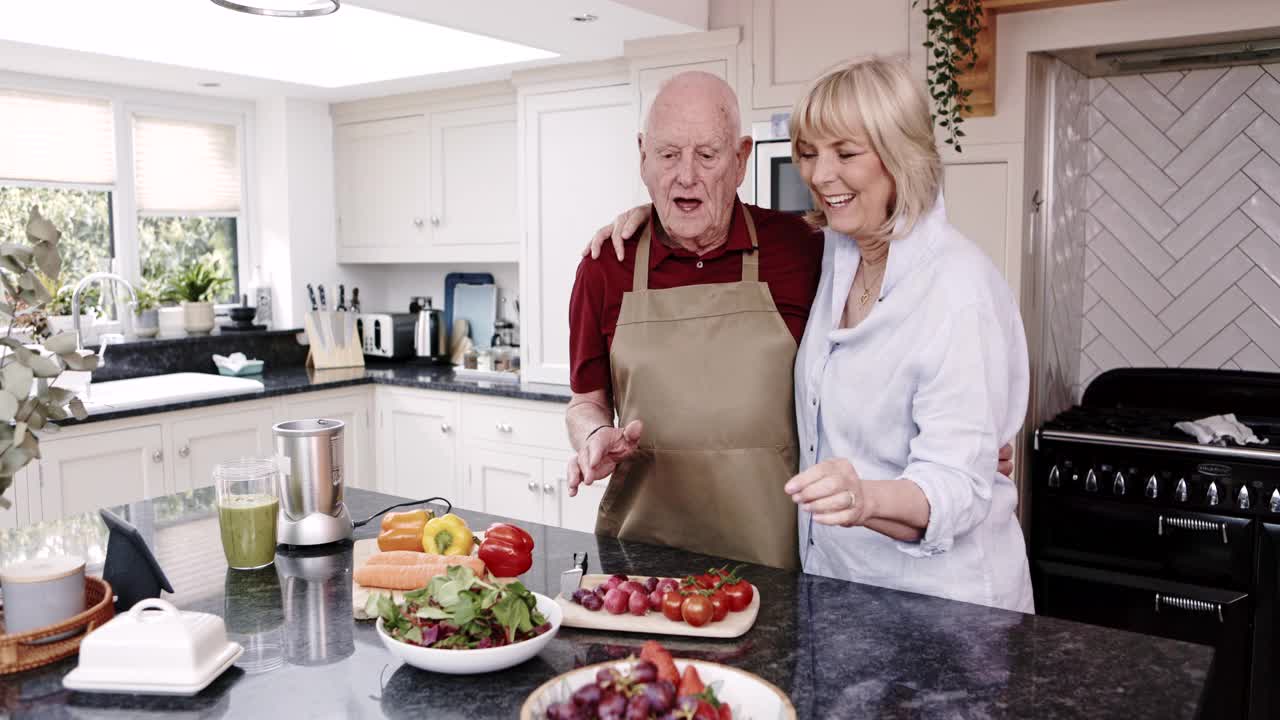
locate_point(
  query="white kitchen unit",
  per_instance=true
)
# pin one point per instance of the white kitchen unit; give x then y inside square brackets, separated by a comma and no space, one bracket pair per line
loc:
[794,41]
[978,188]
[506,484]
[575,513]
[417,441]
[90,471]
[354,407]
[381,181]
[474,214]
[226,432]
[579,168]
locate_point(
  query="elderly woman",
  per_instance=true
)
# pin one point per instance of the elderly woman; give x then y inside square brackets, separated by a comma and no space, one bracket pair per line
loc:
[913,368]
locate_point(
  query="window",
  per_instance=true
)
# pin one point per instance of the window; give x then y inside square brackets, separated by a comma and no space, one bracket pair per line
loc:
[166,243]
[83,216]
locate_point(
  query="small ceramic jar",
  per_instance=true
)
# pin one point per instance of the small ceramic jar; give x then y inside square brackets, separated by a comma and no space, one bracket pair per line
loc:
[42,592]
[484,361]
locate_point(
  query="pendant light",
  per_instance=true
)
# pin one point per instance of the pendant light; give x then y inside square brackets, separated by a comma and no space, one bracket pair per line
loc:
[282,8]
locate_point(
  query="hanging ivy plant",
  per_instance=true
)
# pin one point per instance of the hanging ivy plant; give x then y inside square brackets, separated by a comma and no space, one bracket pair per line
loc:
[951,49]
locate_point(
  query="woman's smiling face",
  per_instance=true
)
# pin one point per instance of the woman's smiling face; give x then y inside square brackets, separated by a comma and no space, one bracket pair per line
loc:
[848,181]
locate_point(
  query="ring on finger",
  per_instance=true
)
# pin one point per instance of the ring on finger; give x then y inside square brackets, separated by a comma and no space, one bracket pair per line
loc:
[853,501]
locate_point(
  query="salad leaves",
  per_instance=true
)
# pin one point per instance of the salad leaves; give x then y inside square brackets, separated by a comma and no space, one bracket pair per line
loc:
[459,610]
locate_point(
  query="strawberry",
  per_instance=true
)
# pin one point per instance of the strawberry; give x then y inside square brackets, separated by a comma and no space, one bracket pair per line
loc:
[653,651]
[690,682]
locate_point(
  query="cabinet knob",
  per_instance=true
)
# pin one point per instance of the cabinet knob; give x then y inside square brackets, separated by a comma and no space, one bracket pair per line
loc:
[548,488]
[435,220]
[444,428]
[503,428]
[417,222]
[533,486]
[157,456]
[184,451]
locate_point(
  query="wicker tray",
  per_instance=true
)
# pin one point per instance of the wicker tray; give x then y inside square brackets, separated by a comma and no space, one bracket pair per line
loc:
[18,653]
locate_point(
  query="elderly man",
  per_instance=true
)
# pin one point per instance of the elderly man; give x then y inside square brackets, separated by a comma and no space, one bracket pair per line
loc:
[692,338]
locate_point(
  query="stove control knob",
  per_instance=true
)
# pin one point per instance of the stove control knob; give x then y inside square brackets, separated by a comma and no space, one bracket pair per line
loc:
[1275,501]
[1242,498]
[1054,479]
[1153,488]
[1180,492]
[1211,495]
[1091,481]
[1117,485]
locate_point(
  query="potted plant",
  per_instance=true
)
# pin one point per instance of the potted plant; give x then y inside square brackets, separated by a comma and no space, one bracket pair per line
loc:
[28,397]
[146,313]
[58,310]
[196,285]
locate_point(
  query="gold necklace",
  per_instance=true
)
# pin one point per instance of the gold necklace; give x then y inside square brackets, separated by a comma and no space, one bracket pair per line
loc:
[866,287]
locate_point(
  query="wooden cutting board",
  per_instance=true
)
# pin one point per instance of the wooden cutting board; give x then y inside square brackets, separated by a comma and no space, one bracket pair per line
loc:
[734,625]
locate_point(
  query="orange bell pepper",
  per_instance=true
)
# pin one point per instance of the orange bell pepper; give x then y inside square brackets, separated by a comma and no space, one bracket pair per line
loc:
[403,530]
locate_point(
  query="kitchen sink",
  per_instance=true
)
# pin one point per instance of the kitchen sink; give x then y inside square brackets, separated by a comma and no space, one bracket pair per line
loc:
[157,389]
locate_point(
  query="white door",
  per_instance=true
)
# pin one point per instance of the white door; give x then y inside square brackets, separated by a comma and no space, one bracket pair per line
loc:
[353,409]
[417,435]
[200,444]
[977,200]
[505,485]
[580,170]
[381,180]
[87,472]
[794,41]
[474,205]
[577,512]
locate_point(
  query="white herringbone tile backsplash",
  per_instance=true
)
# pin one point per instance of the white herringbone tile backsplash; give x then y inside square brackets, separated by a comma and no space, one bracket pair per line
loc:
[1182,259]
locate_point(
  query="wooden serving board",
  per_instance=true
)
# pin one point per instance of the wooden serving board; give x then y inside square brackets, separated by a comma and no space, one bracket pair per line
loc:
[734,625]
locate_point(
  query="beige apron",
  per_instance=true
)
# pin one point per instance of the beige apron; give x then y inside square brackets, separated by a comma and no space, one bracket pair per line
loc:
[708,368]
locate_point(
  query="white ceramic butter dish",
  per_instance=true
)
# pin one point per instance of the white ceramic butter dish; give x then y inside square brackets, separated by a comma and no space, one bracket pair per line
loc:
[169,652]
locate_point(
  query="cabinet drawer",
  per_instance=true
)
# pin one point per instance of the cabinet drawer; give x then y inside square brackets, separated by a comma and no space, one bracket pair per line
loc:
[515,425]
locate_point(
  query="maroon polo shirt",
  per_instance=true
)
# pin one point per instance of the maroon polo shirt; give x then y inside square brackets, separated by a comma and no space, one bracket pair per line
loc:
[790,262]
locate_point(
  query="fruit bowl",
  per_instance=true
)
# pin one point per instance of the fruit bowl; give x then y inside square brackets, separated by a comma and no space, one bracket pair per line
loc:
[749,696]
[470,662]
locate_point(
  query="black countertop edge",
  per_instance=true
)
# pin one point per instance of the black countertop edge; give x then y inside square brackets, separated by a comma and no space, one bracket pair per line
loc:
[188,339]
[293,380]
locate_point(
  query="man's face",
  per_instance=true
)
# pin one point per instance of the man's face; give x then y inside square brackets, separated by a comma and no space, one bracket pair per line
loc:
[692,162]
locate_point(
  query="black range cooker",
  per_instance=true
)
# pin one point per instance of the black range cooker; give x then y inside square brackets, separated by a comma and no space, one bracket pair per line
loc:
[1136,526]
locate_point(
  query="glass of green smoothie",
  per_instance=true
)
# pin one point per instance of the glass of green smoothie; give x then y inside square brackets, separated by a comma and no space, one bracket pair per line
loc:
[247,509]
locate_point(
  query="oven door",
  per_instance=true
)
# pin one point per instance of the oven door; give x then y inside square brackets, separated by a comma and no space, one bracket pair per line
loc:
[1192,613]
[1266,647]
[778,182]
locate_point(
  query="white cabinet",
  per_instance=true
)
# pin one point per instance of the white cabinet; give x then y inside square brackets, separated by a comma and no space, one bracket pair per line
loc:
[354,409]
[794,41]
[418,447]
[980,188]
[84,473]
[199,444]
[381,182]
[579,168]
[572,513]
[474,215]
[502,483]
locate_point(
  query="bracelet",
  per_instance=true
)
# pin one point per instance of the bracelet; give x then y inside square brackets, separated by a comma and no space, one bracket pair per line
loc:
[593,432]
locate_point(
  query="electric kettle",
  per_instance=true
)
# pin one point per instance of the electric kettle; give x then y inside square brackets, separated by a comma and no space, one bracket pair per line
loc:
[429,339]
[309,458]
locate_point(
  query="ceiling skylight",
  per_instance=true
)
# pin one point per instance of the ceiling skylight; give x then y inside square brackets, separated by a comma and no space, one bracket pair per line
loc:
[350,47]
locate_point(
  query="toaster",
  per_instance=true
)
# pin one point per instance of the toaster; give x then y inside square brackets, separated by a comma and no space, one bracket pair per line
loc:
[387,335]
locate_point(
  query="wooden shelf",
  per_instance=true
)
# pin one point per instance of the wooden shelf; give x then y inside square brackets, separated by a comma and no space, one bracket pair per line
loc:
[981,78]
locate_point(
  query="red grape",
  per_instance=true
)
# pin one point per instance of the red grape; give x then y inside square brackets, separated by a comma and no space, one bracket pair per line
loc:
[651,584]
[644,672]
[614,581]
[638,603]
[631,586]
[668,584]
[655,600]
[615,601]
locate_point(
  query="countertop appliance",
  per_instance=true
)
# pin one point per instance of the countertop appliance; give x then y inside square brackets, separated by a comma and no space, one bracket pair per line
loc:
[309,455]
[430,340]
[1136,526]
[387,335]
[778,182]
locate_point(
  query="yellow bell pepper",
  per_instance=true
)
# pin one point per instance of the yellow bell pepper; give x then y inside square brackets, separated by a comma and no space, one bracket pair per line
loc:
[447,535]
[403,530]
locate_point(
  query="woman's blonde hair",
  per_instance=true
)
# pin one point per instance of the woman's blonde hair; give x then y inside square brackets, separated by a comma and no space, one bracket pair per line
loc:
[880,96]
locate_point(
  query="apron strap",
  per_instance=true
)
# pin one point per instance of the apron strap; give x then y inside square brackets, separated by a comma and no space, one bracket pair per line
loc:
[640,275]
[751,260]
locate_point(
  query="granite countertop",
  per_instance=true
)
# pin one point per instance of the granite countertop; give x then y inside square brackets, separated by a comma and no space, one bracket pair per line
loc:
[288,380]
[837,649]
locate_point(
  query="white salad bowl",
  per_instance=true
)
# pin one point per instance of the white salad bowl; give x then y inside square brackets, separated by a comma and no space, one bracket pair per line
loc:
[470,662]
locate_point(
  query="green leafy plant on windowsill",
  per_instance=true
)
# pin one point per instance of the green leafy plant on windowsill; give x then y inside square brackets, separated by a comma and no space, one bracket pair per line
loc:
[148,298]
[90,297]
[952,28]
[201,280]
[28,400]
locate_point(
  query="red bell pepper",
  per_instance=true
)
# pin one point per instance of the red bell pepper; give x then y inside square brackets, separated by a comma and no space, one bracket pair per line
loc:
[507,550]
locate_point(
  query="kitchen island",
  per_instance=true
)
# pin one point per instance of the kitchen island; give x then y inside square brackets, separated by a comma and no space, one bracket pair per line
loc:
[837,649]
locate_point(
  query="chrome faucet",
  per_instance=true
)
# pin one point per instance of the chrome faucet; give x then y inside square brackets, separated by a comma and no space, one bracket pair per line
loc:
[80,286]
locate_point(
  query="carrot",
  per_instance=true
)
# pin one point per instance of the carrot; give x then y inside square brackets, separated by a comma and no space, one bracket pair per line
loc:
[408,570]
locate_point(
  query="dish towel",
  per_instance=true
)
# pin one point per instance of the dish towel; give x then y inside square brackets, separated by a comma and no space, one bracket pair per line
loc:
[1218,429]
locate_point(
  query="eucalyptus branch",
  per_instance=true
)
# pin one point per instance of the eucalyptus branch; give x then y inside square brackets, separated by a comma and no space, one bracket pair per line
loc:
[951,50]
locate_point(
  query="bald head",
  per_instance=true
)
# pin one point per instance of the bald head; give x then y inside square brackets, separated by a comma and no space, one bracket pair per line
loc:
[693,157]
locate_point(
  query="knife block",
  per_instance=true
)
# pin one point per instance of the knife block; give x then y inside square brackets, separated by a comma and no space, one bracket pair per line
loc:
[333,340]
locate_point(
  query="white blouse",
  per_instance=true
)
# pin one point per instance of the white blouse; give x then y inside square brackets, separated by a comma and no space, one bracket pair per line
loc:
[927,387]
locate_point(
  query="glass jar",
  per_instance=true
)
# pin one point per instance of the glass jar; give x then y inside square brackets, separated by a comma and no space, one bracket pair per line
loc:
[469,359]
[484,361]
[501,359]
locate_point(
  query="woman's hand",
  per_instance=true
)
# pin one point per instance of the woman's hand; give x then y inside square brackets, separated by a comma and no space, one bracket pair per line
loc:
[833,492]
[622,228]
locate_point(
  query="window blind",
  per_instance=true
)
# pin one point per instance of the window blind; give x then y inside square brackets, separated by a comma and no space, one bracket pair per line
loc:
[54,138]
[185,168]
